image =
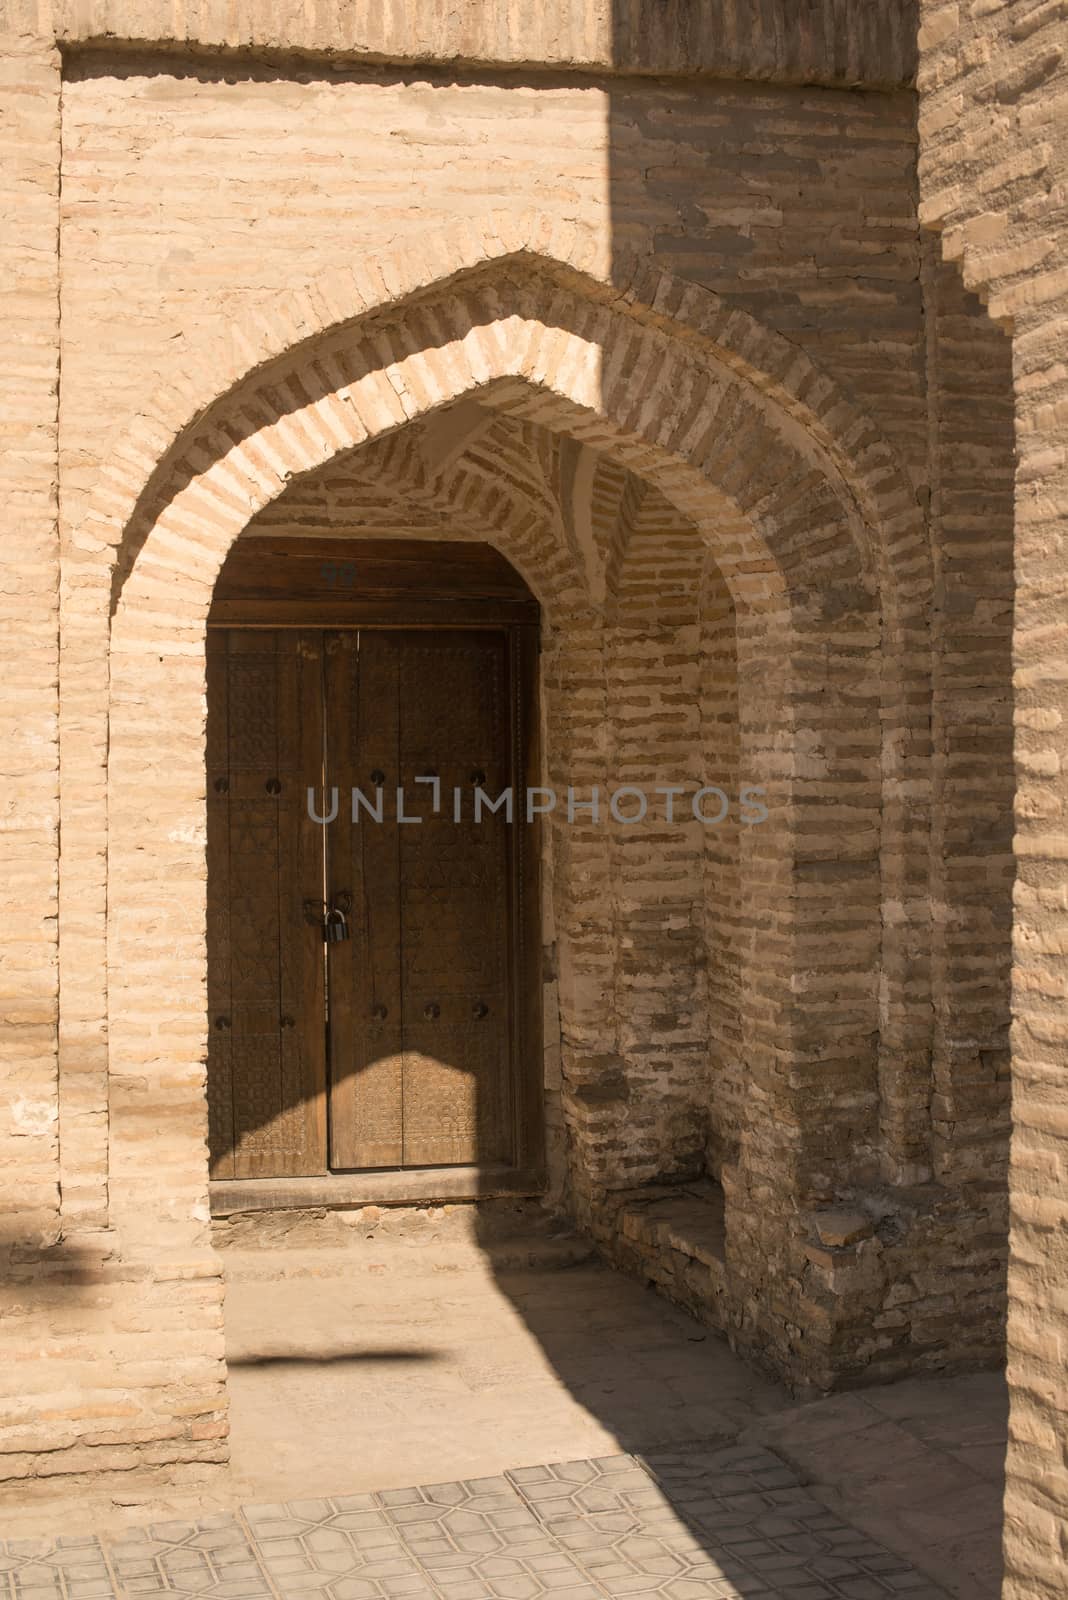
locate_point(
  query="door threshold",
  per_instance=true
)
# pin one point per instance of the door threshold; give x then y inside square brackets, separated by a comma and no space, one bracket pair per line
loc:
[342,1190]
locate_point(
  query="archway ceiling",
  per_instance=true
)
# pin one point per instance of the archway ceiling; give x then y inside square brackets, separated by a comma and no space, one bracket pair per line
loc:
[401,485]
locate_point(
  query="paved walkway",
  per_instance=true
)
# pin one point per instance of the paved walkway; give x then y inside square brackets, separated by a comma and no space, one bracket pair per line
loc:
[919,1465]
[461,1359]
[367,1354]
[688,1525]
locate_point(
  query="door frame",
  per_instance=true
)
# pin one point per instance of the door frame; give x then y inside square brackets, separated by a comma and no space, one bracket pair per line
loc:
[277,583]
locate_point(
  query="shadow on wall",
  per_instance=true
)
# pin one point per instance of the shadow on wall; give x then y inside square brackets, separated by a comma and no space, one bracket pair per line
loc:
[60,1270]
[823,245]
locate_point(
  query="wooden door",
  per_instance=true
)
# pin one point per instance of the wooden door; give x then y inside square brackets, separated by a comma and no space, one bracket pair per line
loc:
[415,1044]
[423,1047]
[266,1050]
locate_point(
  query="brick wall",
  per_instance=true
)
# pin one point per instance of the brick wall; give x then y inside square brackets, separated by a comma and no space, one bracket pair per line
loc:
[993,167]
[29,195]
[834,41]
[729,380]
[187,200]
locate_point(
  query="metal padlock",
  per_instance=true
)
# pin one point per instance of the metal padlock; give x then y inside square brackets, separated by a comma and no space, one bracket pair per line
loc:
[337,926]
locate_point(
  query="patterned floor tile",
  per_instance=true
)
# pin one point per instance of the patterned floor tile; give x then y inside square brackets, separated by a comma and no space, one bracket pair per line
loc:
[473,1540]
[343,1548]
[626,1533]
[692,1475]
[214,1558]
[712,1525]
[717,1524]
[478,1540]
[54,1569]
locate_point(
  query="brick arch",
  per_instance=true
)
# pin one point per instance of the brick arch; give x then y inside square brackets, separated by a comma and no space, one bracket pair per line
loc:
[558,273]
[804,580]
[576,256]
[484,501]
[528,347]
[840,443]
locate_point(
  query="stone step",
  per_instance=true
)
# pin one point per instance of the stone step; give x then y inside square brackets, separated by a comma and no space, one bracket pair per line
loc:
[673,1236]
[489,1238]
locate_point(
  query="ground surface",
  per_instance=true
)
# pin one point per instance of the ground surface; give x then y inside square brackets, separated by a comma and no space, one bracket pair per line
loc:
[369,1354]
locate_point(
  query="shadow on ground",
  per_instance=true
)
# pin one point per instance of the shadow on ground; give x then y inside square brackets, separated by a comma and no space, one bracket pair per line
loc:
[416,1350]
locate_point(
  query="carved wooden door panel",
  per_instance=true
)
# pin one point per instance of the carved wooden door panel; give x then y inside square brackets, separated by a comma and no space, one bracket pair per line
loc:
[266,1050]
[422,1026]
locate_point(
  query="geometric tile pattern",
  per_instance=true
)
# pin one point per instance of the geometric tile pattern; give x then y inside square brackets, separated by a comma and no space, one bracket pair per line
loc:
[710,1526]
[211,1558]
[344,1548]
[716,1524]
[462,1541]
[54,1569]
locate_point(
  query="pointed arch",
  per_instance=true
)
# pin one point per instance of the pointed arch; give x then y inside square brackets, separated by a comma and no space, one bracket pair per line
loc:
[572,255]
[810,521]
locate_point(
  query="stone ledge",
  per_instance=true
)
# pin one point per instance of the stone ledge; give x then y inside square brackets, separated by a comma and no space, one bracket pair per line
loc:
[672,1235]
[838,44]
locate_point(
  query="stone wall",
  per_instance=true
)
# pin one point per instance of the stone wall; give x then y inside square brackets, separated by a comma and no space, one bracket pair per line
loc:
[993,172]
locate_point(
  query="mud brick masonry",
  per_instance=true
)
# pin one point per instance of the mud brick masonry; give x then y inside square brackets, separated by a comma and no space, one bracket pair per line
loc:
[739,329]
